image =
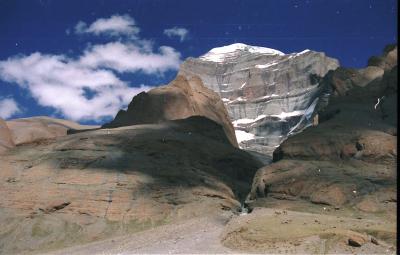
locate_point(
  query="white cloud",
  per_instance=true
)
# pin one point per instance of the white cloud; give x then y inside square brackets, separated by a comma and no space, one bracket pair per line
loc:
[62,83]
[116,25]
[177,31]
[8,108]
[131,58]
[87,87]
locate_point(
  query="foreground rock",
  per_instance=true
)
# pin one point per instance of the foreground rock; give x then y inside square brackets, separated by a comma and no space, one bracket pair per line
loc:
[180,99]
[96,184]
[277,231]
[357,129]
[267,93]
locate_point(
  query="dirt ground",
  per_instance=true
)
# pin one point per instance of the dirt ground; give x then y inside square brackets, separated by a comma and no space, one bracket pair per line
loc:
[265,230]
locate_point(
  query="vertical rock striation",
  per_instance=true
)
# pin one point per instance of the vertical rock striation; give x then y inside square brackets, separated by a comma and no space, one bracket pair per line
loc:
[268,94]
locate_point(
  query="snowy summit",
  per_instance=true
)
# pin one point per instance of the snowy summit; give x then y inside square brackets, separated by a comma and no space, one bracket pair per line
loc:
[220,54]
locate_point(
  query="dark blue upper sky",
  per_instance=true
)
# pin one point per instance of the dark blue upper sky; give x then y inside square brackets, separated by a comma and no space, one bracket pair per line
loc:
[349,30]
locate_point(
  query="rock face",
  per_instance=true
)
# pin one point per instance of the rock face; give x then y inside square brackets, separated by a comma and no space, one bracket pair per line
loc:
[6,141]
[33,129]
[96,184]
[268,94]
[180,99]
[350,158]
[332,187]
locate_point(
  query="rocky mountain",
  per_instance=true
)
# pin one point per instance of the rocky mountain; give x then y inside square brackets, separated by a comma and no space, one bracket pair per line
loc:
[167,175]
[268,94]
[67,190]
[180,99]
[344,166]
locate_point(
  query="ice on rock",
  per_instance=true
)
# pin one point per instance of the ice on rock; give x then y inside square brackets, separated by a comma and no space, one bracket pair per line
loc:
[220,54]
[243,136]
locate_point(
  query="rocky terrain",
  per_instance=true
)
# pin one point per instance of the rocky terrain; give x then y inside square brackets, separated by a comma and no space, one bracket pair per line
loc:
[87,186]
[267,93]
[167,175]
[345,166]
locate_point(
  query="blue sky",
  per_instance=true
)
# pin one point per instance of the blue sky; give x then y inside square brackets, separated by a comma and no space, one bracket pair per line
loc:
[83,60]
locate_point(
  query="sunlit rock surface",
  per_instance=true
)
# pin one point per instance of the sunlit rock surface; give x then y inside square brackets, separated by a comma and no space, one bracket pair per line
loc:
[6,141]
[267,93]
[180,99]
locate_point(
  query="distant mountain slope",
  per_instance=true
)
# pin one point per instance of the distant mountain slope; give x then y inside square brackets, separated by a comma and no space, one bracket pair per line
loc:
[33,129]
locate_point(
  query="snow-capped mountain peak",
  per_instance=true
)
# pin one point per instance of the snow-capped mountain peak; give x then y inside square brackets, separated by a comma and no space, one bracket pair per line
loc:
[269,95]
[220,54]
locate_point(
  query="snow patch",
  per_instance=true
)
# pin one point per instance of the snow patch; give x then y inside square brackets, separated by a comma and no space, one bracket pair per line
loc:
[221,53]
[268,96]
[242,121]
[303,52]
[266,65]
[284,115]
[293,55]
[239,99]
[262,116]
[247,121]
[243,136]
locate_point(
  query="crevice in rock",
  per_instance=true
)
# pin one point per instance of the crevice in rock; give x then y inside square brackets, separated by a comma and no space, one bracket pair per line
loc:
[54,208]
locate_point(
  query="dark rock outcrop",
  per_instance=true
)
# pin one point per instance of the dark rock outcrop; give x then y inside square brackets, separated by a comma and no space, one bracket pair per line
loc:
[180,99]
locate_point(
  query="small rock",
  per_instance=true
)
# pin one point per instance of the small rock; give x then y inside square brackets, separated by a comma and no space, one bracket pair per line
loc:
[354,243]
[356,240]
[374,241]
[368,205]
